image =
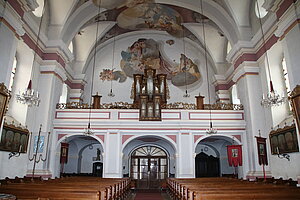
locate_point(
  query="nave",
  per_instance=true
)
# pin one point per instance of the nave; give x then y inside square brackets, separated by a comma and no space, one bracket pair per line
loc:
[94,188]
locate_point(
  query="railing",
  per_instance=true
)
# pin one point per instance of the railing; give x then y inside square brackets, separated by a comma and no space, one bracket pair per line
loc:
[176,105]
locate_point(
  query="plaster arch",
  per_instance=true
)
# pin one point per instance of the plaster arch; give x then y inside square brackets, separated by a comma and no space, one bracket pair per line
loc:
[169,140]
[77,134]
[228,138]
[212,10]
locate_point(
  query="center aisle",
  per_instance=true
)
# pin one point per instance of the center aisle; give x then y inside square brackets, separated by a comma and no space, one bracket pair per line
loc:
[153,195]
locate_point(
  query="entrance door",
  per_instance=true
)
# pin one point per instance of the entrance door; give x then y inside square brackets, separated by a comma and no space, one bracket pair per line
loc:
[207,166]
[149,167]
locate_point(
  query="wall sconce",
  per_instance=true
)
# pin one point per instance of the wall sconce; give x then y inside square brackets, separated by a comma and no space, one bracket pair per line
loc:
[281,156]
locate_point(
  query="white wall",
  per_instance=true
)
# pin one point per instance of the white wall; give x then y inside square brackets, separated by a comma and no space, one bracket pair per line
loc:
[123,90]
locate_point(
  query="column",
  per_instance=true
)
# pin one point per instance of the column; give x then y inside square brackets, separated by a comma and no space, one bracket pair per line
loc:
[50,83]
[112,158]
[185,159]
[250,90]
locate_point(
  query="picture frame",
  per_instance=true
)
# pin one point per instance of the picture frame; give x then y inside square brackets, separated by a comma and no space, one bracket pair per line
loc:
[295,102]
[14,139]
[4,97]
[284,140]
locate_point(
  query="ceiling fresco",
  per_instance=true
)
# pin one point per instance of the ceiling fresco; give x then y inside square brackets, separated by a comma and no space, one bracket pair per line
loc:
[145,53]
[151,16]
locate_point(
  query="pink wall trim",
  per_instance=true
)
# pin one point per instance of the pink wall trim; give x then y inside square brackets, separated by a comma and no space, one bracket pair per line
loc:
[17,7]
[74,85]
[45,56]
[60,136]
[196,137]
[154,129]
[238,137]
[172,137]
[125,138]
[101,137]
[283,7]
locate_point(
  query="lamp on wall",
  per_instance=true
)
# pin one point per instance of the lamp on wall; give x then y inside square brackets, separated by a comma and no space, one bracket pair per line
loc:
[88,131]
[272,98]
[211,129]
[30,96]
[111,94]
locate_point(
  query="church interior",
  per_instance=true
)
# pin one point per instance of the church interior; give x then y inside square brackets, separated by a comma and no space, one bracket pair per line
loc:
[101,99]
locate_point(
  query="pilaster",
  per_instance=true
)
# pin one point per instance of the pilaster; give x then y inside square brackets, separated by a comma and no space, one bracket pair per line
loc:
[249,88]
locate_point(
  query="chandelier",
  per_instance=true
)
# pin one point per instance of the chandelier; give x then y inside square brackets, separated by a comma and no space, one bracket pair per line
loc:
[211,129]
[272,98]
[29,96]
[88,131]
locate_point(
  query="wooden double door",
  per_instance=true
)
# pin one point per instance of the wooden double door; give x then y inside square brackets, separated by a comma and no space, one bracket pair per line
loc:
[207,166]
[149,171]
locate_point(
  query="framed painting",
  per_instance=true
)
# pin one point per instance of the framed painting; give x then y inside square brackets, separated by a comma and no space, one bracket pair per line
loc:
[284,140]
[14,139]
[4,96]
[295,101]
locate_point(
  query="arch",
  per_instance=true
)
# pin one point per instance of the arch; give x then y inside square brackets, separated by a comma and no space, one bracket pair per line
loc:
[80,156]
[78,134]
[171,142]
[212,10]
[228,138]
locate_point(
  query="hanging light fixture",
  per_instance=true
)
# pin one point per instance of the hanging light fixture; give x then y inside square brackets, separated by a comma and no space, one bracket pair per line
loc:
[272,98]
[88,131]
[111,94]
[211,129]
[29,96]
[186,94]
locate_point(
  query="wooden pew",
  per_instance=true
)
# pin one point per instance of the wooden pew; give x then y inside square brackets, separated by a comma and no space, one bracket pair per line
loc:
[70,188]
[226,188]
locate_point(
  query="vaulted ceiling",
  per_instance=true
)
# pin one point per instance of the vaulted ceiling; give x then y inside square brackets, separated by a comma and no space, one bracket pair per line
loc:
[76,21]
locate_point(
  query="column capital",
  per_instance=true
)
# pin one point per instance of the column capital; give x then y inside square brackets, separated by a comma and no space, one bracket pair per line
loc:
[246,68]
[55,70]
[288,21]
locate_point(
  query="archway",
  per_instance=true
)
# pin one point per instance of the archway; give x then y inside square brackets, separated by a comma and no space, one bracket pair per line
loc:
[149,160]
[211,157]
[84,157]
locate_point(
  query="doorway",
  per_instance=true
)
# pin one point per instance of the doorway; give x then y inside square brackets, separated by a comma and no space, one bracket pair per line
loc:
[207,166]
[149,166]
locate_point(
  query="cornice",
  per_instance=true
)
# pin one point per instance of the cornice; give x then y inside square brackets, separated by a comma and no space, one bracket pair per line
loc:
[13,20]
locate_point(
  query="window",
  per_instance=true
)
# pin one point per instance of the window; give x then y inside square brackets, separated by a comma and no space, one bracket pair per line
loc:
[64,94]
[39,10]
[13,73]
[262,11]
[71,47]
[228,47]
[286,77]
[234,95]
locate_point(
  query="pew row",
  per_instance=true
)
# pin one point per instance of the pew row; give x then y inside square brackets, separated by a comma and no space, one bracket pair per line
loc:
[77,188]
[228,188]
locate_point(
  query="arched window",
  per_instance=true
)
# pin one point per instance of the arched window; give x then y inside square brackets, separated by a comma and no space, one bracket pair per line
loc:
[64,94]
[234,95]
[286,77]
[13,73]
[71,47]
[39,10]
[228,47]
[262,11]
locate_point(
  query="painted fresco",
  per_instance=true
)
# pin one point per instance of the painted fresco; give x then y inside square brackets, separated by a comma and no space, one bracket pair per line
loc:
[111,75]
[146,53]
[151,16]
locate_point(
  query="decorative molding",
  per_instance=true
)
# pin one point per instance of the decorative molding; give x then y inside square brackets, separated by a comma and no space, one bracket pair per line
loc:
[53,69]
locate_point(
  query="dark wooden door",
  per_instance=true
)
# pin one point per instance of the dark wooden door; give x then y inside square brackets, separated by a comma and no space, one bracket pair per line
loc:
[207,166]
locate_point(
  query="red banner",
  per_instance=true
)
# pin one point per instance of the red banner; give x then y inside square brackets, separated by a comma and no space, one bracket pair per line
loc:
[234,153]
[64,152]
[262,151]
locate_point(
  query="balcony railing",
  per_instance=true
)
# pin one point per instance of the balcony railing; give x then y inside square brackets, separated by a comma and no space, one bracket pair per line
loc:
[176,105]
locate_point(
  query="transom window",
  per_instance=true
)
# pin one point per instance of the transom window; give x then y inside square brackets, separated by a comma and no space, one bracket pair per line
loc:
[149,151]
